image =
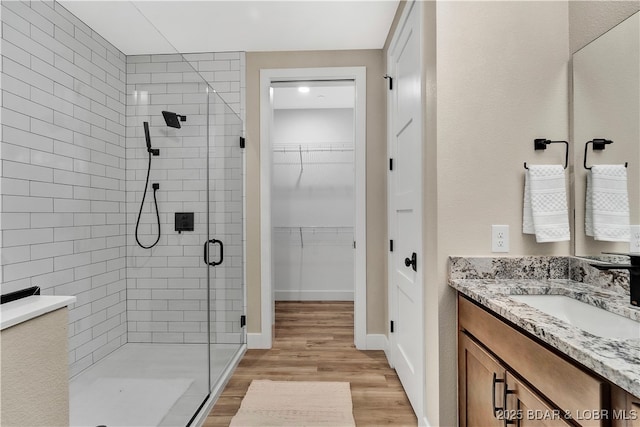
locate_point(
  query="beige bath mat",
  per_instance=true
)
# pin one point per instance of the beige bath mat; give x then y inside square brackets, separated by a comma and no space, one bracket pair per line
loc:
[295,403]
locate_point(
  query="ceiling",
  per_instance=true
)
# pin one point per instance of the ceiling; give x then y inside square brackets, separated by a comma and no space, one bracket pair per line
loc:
[314,95]
[152,27]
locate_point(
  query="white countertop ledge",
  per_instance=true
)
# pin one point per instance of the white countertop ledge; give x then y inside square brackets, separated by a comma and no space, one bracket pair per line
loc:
[15,312]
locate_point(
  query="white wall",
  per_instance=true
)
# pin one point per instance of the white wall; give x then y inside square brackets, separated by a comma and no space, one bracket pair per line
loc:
[313,264]
[589,19]
[321,192]
[63,177]
[313,204]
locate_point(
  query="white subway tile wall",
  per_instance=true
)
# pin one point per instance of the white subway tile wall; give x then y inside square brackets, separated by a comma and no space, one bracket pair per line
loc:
[63,176]
[73,164]
[167,285]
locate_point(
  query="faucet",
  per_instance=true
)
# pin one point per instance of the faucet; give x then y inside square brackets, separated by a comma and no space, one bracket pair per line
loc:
[634,274]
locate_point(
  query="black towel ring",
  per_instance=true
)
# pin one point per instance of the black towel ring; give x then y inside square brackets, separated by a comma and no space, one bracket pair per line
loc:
[598,144]
[541,144]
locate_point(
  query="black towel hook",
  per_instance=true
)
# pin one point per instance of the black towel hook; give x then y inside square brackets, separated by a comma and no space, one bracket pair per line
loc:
[541,144]
[598,144]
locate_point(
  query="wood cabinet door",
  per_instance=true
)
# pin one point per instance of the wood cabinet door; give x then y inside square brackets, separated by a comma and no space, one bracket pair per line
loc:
[625,408]
[525,408]
[634,412]
[478,391]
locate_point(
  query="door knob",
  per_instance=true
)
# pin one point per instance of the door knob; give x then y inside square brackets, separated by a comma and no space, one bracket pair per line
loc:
[412,262]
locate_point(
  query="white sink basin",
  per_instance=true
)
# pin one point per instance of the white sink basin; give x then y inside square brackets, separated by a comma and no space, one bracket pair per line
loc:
[584,316]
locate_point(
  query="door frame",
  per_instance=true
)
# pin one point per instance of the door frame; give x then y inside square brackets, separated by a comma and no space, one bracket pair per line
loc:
[416,8]
[267,76]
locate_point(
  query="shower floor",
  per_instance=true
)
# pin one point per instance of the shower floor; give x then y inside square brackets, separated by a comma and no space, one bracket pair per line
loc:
[146,385]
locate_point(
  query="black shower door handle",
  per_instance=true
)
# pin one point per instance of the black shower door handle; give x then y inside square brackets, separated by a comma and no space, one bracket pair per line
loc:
[206,252]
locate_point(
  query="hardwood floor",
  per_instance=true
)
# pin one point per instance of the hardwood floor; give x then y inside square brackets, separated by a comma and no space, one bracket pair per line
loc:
[314,342]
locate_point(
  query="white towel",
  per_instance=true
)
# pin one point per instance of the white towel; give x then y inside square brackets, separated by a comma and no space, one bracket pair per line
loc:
[607,204]
[545,211]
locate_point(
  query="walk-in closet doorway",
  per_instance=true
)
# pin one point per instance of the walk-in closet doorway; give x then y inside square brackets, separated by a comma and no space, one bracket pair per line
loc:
[313,190]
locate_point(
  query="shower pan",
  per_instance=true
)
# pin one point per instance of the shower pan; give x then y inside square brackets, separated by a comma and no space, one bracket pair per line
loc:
[185,293]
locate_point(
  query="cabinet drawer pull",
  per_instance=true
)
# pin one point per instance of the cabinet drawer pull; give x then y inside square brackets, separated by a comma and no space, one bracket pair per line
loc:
[507,421]
[493,395]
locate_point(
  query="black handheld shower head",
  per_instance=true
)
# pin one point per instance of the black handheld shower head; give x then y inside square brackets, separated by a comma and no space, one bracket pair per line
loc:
[147,138]
[146,135]
[172,119]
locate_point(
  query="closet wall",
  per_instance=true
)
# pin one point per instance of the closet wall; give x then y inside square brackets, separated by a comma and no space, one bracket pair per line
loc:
[313,204]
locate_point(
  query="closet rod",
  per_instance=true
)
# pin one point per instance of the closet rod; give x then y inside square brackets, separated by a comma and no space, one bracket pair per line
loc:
[309,150]
[318,227]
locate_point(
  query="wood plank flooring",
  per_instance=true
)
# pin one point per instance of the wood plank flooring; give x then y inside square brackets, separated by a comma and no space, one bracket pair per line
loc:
[314,342]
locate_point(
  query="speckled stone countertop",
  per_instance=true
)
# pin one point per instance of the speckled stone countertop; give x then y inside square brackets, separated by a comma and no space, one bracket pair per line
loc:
[617,360]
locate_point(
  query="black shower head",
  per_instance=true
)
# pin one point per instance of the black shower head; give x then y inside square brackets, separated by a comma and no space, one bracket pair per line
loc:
[172,119]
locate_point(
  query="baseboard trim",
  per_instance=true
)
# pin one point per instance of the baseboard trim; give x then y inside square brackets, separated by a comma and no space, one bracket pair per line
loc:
[378,342]
[258,341]
[304,295]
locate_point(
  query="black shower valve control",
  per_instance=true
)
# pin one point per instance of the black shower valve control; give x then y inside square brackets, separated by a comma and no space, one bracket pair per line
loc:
[154,151]
[156,186]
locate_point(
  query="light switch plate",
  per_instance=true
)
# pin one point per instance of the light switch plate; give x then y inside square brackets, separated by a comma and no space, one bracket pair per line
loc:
[499,238]
[634,244]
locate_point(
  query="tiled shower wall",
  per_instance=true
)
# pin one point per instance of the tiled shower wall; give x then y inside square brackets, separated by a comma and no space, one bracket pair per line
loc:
[63,179]
[63,171]
[167,285]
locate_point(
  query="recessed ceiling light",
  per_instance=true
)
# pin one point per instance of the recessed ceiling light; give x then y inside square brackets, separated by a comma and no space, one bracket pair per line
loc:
[303,89]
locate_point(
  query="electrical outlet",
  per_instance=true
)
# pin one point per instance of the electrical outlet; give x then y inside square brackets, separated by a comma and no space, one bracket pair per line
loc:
[499,238]
[634,244]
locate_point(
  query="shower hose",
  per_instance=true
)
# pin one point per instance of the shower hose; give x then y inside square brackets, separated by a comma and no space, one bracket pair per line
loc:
[155,200]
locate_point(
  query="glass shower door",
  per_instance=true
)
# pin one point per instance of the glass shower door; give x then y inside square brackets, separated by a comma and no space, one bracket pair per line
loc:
[225,252]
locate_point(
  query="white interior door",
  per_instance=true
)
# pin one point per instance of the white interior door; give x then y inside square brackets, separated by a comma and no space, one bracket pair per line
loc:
[405,209]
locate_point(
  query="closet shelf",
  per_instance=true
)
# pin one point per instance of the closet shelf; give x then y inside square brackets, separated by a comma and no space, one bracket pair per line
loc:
[319,149]
[299,151]
[316,230]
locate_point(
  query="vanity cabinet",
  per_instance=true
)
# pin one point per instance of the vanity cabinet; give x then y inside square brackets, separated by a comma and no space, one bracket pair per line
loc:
[527,408]
[479,372]
[543,388]
[625,407]
[34,383]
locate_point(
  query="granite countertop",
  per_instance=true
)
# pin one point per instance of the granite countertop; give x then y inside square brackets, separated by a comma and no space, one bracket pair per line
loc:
[617,360]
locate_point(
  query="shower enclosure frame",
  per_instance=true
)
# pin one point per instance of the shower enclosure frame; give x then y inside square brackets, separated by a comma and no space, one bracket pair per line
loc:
[216,387]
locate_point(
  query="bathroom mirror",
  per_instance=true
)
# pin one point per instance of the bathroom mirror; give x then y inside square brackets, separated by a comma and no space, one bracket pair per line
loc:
[606,105]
